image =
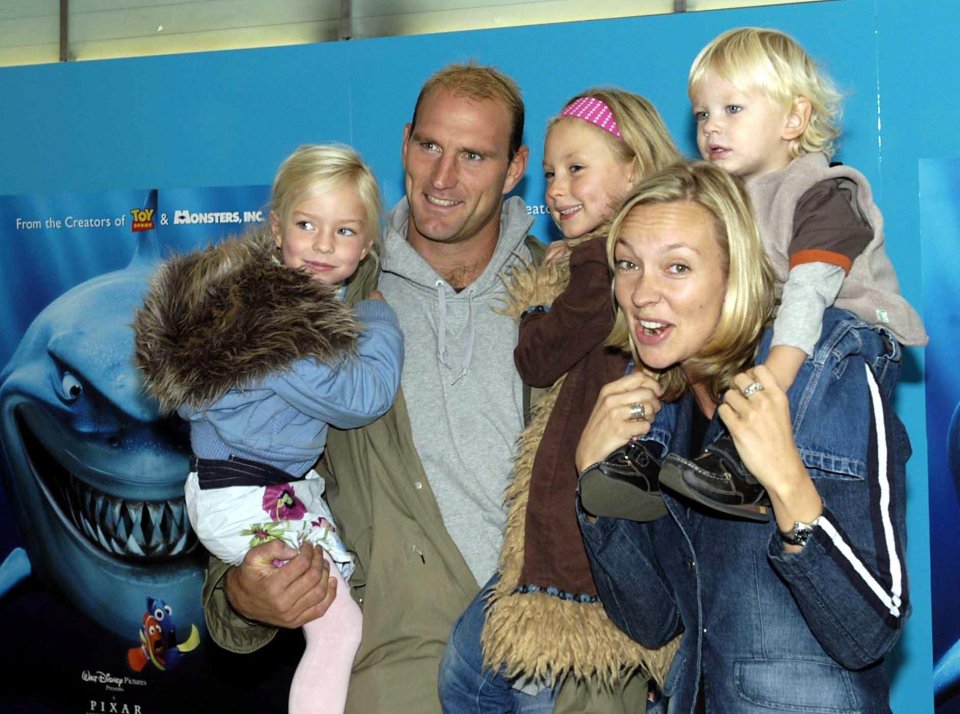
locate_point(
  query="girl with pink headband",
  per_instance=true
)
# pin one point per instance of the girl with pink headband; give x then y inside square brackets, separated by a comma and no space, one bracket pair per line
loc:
[539,618]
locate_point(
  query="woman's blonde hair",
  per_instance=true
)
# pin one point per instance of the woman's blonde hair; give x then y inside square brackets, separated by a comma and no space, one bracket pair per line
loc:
[748,302]
[646,139]
[316,168]
[755,59]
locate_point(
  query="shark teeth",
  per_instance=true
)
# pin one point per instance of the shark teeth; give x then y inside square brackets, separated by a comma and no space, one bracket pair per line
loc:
[131,529]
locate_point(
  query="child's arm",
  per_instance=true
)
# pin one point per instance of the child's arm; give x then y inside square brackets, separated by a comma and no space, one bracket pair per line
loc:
[784,362]
[553,340]
[355,390]
[828,236]
[810,289]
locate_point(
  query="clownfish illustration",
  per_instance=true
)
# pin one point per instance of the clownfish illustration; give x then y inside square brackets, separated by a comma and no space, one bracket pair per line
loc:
[157,637]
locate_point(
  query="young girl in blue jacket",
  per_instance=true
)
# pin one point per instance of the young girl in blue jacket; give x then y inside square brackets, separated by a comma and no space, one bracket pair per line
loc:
[249,342]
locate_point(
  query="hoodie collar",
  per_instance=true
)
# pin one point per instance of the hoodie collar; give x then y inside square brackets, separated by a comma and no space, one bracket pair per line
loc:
[402,260]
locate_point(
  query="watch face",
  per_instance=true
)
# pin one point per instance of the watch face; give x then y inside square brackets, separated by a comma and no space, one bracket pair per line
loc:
[798,535]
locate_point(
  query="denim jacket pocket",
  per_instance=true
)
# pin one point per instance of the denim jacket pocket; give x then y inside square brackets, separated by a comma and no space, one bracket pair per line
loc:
[793,685]
[830,400]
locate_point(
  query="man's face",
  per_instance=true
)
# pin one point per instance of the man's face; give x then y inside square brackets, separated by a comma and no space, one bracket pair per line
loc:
[457,168]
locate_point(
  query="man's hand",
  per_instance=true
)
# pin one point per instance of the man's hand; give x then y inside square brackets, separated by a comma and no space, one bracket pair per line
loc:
[277,586]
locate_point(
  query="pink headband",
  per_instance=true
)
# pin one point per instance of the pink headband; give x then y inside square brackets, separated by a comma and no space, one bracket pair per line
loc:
[594,111]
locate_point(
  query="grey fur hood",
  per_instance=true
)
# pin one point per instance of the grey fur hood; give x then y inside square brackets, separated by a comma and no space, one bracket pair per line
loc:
[218,318]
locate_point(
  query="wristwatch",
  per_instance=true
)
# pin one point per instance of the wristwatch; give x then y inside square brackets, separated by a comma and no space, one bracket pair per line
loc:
[800,533]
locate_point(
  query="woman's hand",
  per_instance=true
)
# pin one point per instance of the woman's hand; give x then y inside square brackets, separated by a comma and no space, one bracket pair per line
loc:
[614,419]
[762,431]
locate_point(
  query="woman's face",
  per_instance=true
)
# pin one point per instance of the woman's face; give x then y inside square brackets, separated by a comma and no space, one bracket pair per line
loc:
[670,274]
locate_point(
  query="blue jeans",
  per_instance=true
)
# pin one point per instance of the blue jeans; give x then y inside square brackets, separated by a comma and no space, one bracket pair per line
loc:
[467,687]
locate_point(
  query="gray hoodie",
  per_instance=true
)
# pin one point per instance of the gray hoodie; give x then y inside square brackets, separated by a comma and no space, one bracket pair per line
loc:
[463,393]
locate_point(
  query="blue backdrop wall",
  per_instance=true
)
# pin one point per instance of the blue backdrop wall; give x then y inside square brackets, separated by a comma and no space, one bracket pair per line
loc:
[228,118]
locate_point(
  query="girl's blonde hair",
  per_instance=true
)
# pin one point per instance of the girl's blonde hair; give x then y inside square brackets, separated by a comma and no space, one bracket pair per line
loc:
[749,298]
[316,168]
[646,139]
[755,59]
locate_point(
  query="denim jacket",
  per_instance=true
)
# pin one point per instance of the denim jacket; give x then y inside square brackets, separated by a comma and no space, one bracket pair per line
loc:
[765,630]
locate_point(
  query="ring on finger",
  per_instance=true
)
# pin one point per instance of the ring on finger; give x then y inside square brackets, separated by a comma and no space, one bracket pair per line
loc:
[638,411]
[752,389]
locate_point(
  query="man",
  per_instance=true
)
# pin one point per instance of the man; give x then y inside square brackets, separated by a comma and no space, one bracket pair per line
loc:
[418,494]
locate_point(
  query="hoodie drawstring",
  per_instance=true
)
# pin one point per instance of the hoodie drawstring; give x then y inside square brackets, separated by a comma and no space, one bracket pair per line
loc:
[441,324]
[442,330]
[468,353]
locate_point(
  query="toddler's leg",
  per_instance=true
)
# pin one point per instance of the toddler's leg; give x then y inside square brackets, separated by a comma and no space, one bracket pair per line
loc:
[320,682]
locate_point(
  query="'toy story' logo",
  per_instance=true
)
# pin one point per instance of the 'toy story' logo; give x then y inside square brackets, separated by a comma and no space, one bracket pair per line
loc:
[142,219]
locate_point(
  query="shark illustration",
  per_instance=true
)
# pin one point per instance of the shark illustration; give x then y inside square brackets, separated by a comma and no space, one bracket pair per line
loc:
[94,474]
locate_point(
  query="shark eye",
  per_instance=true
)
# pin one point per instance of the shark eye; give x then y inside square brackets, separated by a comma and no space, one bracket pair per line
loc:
[70,387]
[159,614]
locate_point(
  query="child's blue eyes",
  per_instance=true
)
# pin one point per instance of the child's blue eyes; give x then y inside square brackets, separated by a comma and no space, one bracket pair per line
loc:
[729,109]
[308,226]
[574,168]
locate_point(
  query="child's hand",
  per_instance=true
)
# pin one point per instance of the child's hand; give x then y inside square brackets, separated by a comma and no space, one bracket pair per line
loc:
[556,252]
[375,295]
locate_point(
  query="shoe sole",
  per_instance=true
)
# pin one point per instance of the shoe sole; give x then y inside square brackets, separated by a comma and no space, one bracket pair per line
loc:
[609,497]
[674,476]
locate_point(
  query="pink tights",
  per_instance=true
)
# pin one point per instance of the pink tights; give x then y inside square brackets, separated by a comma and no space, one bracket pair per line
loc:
[320,682]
